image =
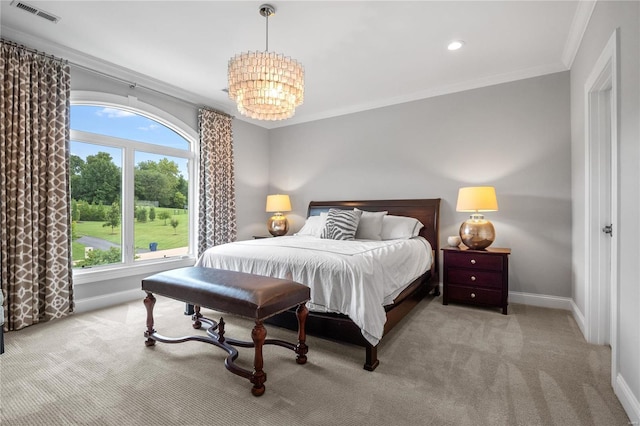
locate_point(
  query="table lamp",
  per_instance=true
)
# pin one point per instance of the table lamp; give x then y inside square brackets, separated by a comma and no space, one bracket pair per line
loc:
[278,224]
[477,233]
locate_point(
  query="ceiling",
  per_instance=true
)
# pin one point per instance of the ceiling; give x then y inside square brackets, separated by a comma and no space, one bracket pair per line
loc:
[357,55]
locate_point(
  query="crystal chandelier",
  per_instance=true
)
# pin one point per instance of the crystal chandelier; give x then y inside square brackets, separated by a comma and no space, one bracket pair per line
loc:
[266,85]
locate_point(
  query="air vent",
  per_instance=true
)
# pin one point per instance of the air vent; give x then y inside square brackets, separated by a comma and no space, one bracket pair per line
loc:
[35,11]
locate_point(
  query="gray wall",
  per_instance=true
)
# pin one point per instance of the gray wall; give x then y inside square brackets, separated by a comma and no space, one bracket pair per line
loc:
[608,16]
[514,136]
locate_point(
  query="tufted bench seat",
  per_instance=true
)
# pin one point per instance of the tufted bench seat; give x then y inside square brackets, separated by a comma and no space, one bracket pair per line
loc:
[251,296]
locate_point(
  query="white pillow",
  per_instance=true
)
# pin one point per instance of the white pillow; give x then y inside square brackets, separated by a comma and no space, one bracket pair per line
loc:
[400,227]
[313,226]
[370,225]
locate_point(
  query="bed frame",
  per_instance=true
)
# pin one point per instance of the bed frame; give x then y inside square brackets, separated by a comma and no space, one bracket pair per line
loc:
[340,327]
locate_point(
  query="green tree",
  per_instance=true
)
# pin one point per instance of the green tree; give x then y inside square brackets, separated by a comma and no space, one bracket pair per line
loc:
[113,216]
[174,225]
[74,231]
[152,214]
[153,185]
[91,212]
[164,215]
[76,164]
[75,211]
[159,181]
[99,181]
[183,187]
[179,200]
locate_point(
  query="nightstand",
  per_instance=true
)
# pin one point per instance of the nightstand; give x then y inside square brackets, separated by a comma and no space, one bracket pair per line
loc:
[476,277]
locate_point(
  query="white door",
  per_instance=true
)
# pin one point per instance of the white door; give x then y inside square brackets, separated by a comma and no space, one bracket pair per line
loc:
[601,132]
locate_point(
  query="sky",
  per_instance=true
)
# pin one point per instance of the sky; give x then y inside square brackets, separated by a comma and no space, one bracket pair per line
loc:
[126,125]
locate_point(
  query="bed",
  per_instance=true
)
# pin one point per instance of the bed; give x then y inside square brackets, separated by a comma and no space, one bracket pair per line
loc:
[356,296]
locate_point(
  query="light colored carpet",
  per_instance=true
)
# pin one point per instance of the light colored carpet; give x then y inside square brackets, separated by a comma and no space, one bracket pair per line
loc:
[443,365]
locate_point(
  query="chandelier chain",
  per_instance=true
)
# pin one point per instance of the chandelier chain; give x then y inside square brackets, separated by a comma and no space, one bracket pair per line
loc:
[267,38]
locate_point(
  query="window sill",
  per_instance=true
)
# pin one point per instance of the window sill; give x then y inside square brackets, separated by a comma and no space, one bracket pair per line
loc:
[103,273]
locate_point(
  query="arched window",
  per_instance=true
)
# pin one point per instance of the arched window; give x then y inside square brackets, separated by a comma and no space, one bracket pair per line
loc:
[132,187]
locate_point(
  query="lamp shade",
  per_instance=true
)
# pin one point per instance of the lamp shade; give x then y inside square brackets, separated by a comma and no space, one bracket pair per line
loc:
[278,203]
[477,199]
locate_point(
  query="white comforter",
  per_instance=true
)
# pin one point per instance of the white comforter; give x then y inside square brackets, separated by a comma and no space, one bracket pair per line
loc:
[355,278]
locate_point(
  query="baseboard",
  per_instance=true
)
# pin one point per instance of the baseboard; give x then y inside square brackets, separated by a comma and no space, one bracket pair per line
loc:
[578,316]
[542,300]
[104,301]
[628,400]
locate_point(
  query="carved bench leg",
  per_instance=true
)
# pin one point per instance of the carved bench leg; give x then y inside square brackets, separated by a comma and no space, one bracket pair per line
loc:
[258,377]
[149,303]
[196,318]
[301,348]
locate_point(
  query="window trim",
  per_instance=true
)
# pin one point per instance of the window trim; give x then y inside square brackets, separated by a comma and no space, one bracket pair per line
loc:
[132,104]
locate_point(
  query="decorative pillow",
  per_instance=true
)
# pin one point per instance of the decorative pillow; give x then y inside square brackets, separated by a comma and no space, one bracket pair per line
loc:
[313,226]
[400,227]
[370,225]
[341,224]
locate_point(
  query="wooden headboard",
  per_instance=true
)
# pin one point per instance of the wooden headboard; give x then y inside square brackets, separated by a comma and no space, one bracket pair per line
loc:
[426,211]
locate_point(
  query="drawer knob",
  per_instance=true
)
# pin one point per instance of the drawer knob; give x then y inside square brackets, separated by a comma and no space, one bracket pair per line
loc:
[473,261]
[473,278]
[473,295]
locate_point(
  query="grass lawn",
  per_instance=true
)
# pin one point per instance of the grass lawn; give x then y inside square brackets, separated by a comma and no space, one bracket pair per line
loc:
[145,233]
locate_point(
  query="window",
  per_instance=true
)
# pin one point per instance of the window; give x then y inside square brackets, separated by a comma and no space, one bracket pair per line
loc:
[131,178]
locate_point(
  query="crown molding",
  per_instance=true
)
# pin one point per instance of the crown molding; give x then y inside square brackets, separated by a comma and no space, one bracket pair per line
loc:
[576,31]
[100,66]
[425,94]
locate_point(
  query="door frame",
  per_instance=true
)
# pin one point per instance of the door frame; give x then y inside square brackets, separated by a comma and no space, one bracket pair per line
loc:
[601,125]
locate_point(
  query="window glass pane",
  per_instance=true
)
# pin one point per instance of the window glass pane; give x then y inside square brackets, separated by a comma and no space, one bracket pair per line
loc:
[124,124]
[146,217]
[161,206]
[96,211]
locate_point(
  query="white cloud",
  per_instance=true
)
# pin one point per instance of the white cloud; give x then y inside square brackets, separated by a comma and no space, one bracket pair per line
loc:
[114,113]
[150,127]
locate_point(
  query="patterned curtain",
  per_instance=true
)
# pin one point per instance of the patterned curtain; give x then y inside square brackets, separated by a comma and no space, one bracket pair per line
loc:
[217,215]
[35,230]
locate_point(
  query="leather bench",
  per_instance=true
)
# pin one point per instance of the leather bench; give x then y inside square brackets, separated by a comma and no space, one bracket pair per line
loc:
[251,296]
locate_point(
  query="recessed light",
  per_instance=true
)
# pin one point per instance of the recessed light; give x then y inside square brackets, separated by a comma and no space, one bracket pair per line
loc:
[455,45]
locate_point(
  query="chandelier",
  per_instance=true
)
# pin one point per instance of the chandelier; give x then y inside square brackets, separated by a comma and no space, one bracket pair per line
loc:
[266,85]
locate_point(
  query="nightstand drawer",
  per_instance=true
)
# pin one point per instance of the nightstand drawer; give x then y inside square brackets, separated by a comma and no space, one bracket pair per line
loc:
[474,260]
[474,295]
[474,278]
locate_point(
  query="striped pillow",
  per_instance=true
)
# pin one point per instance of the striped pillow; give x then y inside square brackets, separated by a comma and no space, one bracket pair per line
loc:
[341,224]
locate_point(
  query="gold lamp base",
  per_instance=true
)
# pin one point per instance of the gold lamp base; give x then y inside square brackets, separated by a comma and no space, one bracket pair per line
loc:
[278,225]
[477,233]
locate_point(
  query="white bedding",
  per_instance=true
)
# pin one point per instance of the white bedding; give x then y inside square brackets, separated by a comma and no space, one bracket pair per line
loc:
[356,278]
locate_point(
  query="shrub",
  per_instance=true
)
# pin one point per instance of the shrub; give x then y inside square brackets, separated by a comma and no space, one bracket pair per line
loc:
[141,215]
[101,257]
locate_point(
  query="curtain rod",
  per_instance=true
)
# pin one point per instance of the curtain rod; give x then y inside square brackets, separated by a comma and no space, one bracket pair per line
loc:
[130,84]
[34,51]
[134,85]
